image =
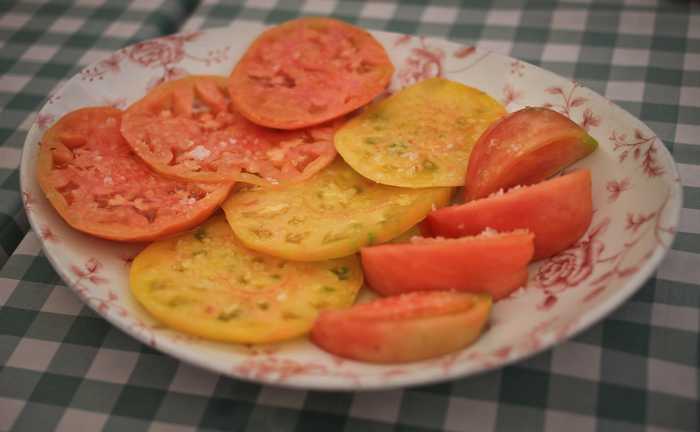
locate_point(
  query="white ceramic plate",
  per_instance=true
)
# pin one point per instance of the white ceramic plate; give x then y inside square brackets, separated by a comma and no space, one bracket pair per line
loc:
[636,193]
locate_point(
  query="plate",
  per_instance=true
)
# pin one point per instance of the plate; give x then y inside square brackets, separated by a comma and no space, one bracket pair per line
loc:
[636,194]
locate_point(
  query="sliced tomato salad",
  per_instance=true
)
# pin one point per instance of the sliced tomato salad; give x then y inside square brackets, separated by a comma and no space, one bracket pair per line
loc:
[307,71]
[188,129]
[403,328]
[494,263]
[90,175]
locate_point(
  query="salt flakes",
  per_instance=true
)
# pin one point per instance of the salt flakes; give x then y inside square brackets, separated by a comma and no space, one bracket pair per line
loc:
[199,153]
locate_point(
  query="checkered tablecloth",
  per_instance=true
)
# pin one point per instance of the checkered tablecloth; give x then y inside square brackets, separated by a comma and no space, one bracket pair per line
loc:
[64,368]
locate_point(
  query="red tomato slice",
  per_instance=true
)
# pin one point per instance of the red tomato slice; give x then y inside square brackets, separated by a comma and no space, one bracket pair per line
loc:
[404,328]
[188,129]
[524,148]
[557,212]
[90,175]
[494,264]
[307,71]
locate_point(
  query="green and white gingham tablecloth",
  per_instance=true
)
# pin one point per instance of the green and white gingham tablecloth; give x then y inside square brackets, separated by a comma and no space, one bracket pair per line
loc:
[64,368]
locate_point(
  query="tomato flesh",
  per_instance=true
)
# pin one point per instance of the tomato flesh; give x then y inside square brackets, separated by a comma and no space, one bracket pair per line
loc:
[403,328]
[421,136]
[523,148]
[488,263]
[556,211]
[188,129]
[206,283]
[330,215]
[90,175]
[307,71]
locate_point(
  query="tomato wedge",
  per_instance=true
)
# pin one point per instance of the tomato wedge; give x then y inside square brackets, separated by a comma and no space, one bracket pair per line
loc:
[404,328]
[488,263]
[91,177]
[524,148]
[556,211]
[188,129]
[307,71]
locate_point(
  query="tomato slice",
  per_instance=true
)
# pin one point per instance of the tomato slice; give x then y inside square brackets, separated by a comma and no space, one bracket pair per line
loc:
[91,177]
[188,129]
[403,328]
[488,263]
[307,71]
[421,136]
[206,283]
[556,211]
[330,215]
[524,148]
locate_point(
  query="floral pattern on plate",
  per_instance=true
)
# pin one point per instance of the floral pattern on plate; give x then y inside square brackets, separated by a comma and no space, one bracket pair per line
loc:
[637,198]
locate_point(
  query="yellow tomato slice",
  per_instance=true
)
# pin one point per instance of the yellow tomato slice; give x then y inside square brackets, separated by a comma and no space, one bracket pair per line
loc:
[330,215]
[206,283]
[421,136]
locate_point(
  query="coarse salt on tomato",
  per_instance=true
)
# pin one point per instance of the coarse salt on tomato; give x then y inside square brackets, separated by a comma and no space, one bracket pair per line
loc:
[308,71]
[188,129]
[100,187]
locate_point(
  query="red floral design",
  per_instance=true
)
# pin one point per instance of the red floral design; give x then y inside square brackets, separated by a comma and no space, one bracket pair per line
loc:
[510,95]
[424,62]
[118,103]
[403,39]
[575,265]
[47,234]
[269,367]
[89,271]
[594,293]
[169,74]
[109,65]
[516,68]
[569,102]
[635,221]
[548,302]
[569,99]
[160,52]
[641,148]
[53,97]
[464,52]
[28,201]
[589,119]
[615,188]
[43,121]
[272,368]
[571,267]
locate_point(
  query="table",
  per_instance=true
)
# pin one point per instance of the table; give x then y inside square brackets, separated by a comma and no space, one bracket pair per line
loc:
[64,368]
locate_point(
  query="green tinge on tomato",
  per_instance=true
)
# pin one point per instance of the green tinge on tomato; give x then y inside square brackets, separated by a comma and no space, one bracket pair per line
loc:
[330,215]
[524,148]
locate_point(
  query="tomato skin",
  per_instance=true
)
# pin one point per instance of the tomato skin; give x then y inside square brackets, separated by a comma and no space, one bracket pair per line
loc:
[524,148]
[111,192]
[405,328]
[307,77]
[557,211]
[495,264]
